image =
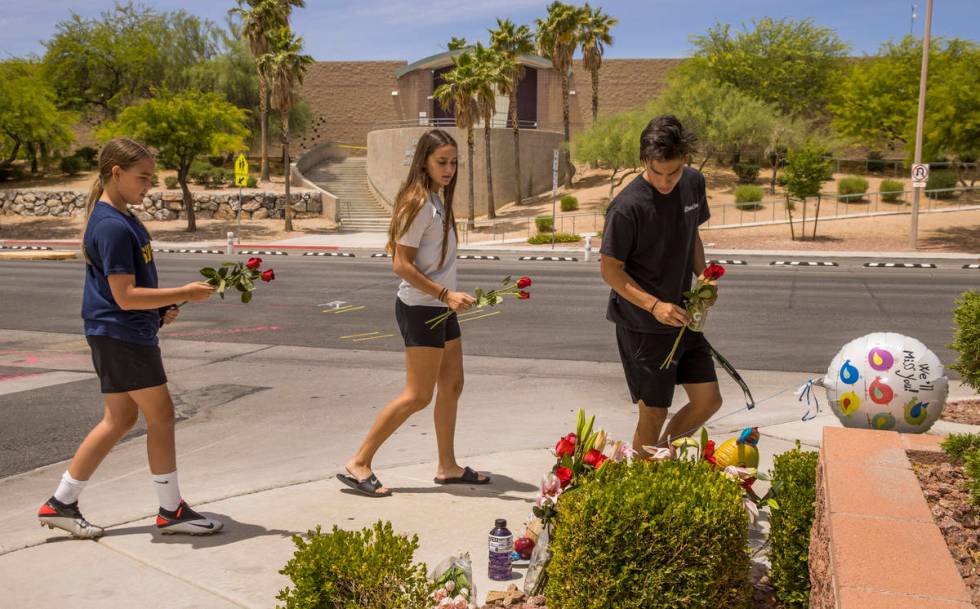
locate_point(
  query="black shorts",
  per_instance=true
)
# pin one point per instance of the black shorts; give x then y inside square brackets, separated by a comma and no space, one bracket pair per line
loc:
[642,354]
[412,323]
[123,366]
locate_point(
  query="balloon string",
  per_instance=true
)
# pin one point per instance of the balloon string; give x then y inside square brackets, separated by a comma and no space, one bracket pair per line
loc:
[805,392]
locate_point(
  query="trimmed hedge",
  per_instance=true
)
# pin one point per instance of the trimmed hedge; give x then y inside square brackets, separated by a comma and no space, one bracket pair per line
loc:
[966,340]
[569,203]
[648,535]
[794,480]
[545,224]
[851,189]
[73,165]
[941,180]
[748,196]
[892,191]
[372,567]
[544,238]
[171,182]
[747,173]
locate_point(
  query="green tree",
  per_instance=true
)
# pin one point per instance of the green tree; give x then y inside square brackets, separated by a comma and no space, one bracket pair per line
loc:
[456,44]
[594,36]
[283,67]
[457,94]
[511,42]
[492,71]
[792,64]
[612,143]
[183,126]
[106,63]
[727,121]
[558,37]
[260,19]
[30,122]
[807,168]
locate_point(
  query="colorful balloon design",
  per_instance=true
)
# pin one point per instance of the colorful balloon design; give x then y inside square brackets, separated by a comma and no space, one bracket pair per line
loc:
[892,381]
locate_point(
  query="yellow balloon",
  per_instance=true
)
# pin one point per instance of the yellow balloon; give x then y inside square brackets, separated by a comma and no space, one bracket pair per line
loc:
[740,455]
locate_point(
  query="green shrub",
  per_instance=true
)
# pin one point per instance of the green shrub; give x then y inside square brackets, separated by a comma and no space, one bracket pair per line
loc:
[794,483]
[545,224]
[958,445]
[216,161]
[199,173]
[973,471]
[876,163]
[543,238]
[649,535]
[154,180]
[892,191]
[220,177]
[72,165]
[89,154]
[941,180]
[569,203]
[372,567]
[966,340]
[852,188]
[748,196]
[171,182]
[251,182]
[747,173]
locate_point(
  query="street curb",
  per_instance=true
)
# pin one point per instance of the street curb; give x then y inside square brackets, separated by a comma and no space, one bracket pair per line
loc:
[39,255]
[802,263]
[330,254]
[899,265]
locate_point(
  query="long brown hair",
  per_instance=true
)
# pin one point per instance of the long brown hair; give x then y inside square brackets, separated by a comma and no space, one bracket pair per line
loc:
[415,190]
[120,151]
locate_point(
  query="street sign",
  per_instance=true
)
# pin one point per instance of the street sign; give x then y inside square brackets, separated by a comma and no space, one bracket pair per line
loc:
[554,171]
[920,175]
[241,171]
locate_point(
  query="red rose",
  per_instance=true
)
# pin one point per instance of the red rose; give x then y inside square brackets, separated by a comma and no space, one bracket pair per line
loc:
[714,271]
[572,438]
[593,458]
[564,476]
[268,275]
[522,295]
[564,448]
[254,263]
[524,282]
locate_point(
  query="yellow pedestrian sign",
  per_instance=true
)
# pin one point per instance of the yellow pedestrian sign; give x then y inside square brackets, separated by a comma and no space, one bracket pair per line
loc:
[241,171]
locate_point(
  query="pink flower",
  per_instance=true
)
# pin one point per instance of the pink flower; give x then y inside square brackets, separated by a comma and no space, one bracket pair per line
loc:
[550,486]
[460,603]
[439,594]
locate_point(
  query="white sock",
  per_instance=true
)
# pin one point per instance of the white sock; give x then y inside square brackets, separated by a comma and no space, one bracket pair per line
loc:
[167,490]
[69,489]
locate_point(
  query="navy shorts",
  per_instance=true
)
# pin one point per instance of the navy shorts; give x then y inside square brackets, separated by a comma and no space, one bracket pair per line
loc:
[415,331]
[123,366]
[643,353]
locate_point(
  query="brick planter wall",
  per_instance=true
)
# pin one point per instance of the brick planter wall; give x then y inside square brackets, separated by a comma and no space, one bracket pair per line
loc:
[165,204]
[874,543]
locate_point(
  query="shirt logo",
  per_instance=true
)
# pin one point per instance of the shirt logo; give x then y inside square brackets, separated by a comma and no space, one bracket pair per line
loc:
[147,251]
[690,208]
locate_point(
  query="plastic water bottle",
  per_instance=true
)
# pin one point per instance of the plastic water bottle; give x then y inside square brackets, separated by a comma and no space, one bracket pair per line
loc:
[501,547]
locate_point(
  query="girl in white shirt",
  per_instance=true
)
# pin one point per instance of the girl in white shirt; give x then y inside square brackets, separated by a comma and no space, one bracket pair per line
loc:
[422,244]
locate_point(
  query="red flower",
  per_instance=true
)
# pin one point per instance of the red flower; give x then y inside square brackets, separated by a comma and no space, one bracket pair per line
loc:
[524,282]
[566,446]
[709,452]
[522,295]
[593,458]
[714,271]
[747,483]
[254,263]
[564,476]
[268,275]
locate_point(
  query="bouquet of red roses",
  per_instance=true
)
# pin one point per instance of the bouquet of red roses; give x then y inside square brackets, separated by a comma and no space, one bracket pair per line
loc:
[697,301]
[517,289]
[239,275]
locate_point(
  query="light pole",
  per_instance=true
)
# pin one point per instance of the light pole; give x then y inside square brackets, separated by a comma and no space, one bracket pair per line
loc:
[923,77]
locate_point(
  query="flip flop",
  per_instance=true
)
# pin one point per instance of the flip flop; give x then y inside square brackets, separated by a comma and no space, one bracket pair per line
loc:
[367,487]
[469,477]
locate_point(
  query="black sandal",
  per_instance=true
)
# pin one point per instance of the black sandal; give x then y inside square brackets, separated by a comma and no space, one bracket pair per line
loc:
[469,477]
[367,487]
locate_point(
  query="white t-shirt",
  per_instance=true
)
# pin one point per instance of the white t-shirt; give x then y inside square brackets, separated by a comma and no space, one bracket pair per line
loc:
[425,234]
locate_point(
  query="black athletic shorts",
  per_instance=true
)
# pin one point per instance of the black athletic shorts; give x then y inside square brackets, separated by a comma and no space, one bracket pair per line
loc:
[412,323]
[643,353]
[123,366]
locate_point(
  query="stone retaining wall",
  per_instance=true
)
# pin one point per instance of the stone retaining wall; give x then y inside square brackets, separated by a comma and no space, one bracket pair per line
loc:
[165,205]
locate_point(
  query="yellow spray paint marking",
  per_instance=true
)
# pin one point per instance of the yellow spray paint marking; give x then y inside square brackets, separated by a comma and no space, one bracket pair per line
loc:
[348,310]
[359,335]
[357,340]
[480,316]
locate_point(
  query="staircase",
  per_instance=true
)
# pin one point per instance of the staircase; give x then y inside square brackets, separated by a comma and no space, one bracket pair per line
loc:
[359,210]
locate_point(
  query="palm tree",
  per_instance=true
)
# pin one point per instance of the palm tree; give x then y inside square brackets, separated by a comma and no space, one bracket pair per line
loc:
[593,36]
[259,19]
[557,39]
[456,94]
[456,44]
[284,67]
[489,77]
[510,43]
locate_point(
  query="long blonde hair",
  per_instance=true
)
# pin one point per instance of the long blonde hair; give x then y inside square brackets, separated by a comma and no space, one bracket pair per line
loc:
[120,151]
[415,190]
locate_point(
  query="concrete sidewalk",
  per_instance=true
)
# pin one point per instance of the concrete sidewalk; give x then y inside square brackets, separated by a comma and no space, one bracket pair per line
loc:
[265,464]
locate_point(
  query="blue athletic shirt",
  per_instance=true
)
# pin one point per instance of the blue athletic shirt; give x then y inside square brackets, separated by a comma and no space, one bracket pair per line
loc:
[117,244]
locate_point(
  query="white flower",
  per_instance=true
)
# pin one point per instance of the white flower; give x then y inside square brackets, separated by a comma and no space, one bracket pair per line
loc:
[450,586]
[465,592]
[751,508]
[659,454]
[550,485]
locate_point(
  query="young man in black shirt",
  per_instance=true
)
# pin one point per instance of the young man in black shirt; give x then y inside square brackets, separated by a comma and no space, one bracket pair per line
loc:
[651,250]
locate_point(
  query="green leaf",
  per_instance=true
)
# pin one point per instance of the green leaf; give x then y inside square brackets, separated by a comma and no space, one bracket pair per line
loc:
[247,297]
[231,264]
[209,272]
[704,439]
[221,288]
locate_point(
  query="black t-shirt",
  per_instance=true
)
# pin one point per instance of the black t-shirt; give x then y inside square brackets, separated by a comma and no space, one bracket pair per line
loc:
[654,235]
